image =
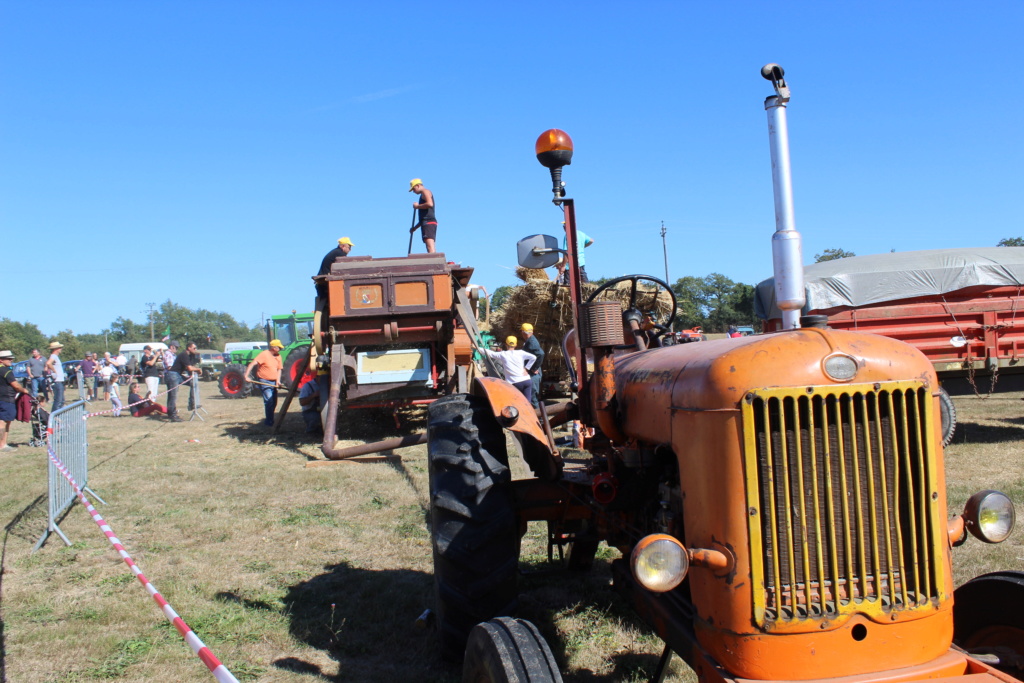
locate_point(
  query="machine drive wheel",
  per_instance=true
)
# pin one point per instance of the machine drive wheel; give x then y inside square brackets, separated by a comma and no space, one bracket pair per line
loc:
[233,383]
[294,365]
[473,526]
[947,411]
[988,615]
[507,650]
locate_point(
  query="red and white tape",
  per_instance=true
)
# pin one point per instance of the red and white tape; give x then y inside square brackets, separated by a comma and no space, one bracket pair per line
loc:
[137,403]
[219,671]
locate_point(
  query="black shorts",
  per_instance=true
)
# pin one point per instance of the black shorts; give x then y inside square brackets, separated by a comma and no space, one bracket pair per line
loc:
[8,411]
[429,231]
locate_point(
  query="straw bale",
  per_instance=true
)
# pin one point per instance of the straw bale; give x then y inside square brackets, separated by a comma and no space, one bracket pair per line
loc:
[547,306]
[528,274]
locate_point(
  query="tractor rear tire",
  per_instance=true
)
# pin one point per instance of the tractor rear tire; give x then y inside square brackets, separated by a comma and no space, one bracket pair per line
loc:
[507,650]
[294,365]
[233,383]
[947,412]
[988,613]
[474,529]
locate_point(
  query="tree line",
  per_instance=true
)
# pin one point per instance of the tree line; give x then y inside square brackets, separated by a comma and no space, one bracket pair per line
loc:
[208,329]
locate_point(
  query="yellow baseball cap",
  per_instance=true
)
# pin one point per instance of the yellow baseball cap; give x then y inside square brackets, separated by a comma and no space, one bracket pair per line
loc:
[345,240]
[277,343]
[511,341]
[526,327]
[414,182]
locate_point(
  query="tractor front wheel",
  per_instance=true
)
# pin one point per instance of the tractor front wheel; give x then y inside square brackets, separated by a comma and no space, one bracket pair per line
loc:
[294,365]
[507,650]
[233,383]
[988,617]
[474,529]
[947,412]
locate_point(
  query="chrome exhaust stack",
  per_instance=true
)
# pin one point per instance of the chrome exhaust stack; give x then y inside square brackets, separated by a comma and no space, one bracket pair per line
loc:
[787,256]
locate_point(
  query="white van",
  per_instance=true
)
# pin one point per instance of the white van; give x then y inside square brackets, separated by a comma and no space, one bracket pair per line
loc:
[244,346]
[135,350]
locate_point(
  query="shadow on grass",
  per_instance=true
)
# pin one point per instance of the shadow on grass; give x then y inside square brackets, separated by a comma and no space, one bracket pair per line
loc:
[17,528]
[973,432]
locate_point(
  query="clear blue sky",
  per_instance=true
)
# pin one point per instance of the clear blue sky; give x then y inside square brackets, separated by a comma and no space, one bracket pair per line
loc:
[212,152]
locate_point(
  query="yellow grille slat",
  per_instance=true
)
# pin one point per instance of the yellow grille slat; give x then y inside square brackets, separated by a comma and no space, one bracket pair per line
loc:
[838,482]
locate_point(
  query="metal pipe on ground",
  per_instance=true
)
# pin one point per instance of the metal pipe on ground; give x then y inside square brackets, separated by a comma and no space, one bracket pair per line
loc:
[375,446]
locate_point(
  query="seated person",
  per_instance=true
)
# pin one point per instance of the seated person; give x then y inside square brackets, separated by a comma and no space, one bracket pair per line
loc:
[140,407]
[309,399]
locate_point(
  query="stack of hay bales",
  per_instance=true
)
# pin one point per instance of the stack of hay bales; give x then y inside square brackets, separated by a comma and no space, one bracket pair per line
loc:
[548,307]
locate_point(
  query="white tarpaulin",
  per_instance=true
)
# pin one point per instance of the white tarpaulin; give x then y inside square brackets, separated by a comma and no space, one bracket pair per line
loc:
[862,280]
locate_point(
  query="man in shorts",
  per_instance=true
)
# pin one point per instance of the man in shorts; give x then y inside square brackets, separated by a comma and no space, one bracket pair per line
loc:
[9,390]
[425,208]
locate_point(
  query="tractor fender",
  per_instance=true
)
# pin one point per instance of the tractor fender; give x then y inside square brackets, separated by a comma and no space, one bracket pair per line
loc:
[537,452]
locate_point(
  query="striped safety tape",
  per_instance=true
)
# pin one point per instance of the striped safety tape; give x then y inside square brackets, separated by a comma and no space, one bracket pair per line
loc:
[137,403]
[219,671]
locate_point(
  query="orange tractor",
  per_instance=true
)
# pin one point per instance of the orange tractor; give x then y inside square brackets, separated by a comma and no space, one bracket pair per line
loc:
[779,500]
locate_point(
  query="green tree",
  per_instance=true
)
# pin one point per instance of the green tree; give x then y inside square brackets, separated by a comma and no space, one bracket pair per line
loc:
[691,302]
[1011,242]
[832,255]
[21,338]
[73,349]
[500,296]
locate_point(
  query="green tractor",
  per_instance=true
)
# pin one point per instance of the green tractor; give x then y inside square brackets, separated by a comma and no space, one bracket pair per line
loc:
[295,331]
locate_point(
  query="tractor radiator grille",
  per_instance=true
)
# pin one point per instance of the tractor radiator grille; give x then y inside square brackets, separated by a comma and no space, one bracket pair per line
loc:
[842,499]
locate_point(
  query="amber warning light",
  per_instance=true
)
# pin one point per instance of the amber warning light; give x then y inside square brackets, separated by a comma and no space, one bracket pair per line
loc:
[554,150]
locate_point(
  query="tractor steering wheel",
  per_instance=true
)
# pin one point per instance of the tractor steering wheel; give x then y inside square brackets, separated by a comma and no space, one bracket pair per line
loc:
[652,296]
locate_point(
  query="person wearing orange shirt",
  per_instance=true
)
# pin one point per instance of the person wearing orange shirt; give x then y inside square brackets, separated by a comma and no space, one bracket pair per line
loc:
[268,366]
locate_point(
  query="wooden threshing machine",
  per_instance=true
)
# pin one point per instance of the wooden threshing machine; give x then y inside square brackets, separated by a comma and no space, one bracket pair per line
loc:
[394,332]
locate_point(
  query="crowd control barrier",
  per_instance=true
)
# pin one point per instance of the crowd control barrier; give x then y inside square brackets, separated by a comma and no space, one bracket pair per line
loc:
[67,438]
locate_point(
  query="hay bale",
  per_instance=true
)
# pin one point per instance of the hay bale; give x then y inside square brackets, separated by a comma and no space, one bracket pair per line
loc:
[530,274]
[547,306]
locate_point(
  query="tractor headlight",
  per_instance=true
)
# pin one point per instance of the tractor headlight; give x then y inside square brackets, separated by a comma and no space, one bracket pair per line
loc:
[989,516]
[659,562]
[840,367]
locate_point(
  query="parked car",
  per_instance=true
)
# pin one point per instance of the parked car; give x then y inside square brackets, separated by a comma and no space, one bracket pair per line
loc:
[70,372]
[20,370]
[212,364]
[745,330]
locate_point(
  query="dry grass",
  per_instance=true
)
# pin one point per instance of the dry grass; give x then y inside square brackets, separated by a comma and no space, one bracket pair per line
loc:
[295,574]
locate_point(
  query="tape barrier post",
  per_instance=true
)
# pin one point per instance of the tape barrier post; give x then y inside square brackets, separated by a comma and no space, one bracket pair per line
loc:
[197,401]
[219,671]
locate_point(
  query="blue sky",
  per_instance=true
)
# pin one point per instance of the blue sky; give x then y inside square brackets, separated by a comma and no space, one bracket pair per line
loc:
[211,153]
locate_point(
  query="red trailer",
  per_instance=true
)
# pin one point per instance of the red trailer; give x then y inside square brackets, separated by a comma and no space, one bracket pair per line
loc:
[962,308]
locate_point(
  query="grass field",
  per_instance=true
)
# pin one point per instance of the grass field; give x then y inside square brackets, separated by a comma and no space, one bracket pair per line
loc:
[315,574]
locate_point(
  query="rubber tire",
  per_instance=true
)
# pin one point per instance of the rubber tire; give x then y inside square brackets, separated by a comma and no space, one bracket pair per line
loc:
[299,354]
[229,380]
[990,600]
[507,650]
[947,412]
[473,525]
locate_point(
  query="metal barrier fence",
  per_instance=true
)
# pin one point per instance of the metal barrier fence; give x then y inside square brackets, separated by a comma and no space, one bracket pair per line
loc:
[67,438]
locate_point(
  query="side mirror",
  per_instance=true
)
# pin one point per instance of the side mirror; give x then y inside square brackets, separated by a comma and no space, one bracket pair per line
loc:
[538,251]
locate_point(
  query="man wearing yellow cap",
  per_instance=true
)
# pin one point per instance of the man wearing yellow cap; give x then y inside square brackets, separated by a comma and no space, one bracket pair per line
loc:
[344,246]
[532,345]
[425,207]
[268,365]
[517,364]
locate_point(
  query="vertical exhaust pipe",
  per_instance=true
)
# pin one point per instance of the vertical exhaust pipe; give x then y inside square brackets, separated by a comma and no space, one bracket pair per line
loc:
[787,256]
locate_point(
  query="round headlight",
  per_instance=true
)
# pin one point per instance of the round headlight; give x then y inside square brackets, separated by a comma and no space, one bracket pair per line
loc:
[840,367]
[989,516]
[659,562]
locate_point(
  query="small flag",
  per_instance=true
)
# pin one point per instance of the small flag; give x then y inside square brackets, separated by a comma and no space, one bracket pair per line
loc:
[167,334]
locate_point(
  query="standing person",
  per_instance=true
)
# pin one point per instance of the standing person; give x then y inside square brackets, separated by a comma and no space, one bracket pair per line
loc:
[309,399]
[9,390]
[268,365]
[36,364]
[140,407]
[131,369]
[88,368]
[56,370]
[187,367]
[532,345]
[108,373]
[425,208]
[150,371]
[583,240]
[172,378]
[121,363]
[344,247]
[516,363]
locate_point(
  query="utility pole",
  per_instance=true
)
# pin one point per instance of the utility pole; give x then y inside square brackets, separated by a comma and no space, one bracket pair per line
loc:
[664,248]
[152,337]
